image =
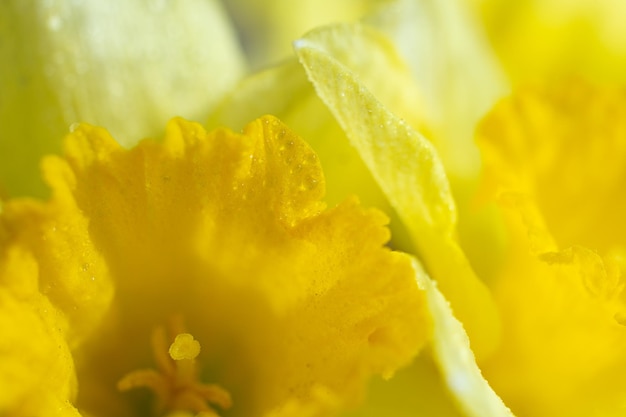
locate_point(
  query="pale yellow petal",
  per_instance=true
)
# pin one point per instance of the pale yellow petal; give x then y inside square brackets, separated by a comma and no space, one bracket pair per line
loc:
[458,76]
[99,62]
[452,351]
[390,148]
[408,170]
[458,79]
[376,60]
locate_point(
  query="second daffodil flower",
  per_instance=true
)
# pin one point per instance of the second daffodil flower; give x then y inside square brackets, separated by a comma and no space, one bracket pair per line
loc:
[554,161]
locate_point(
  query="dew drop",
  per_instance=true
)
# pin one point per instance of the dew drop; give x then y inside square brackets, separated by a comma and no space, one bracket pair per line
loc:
[311,183]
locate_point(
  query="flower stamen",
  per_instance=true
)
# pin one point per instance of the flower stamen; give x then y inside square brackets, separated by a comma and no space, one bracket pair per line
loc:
[176,383]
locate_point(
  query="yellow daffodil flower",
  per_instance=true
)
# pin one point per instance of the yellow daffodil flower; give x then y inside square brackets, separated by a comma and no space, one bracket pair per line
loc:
[204,275]
[555,161]
[70,61]
[211,253]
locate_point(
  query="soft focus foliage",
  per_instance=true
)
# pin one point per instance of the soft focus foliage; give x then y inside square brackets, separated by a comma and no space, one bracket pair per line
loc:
[268,27]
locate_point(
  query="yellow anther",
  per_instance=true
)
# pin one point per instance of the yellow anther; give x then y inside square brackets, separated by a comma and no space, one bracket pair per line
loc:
[184,347]
[176,382]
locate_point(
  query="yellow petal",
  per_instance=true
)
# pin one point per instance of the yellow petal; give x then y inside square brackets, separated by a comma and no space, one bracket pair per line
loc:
[565,148]
[452,352]
[408,170]
[458,80]
[66,62]
[294,306]
[36,368]
[71,272]
[562,341]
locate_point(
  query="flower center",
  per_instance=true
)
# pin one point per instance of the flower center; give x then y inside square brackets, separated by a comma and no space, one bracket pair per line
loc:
[175,383]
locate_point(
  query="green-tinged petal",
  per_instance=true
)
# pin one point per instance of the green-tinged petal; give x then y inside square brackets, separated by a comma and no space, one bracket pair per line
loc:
[457,74]
[451,349]
[74,61]
[390,148]
[408,170]
[458,79]
[376,61]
